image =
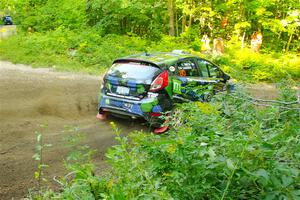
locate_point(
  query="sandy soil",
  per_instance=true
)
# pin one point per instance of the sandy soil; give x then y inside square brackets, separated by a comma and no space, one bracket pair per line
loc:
[31,97]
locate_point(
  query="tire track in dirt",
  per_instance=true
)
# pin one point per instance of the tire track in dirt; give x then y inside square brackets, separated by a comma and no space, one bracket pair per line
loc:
[30,97]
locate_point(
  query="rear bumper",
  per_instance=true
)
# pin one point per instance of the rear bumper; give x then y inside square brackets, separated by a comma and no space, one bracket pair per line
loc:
[132,108]
[120,111]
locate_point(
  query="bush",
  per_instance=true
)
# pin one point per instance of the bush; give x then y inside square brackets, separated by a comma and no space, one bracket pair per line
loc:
[225,149]
[88,51]
[245,65]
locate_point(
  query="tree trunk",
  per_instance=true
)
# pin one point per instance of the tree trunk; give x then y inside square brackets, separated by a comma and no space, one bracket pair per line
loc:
[289,42]
[190,20]
[243,40]
[171,17]
[183,23]
[176,22]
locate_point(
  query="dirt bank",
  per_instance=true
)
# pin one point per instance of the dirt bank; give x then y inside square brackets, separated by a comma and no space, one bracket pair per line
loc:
[31,97]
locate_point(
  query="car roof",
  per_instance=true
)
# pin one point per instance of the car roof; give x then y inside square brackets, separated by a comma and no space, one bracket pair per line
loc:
[159,59]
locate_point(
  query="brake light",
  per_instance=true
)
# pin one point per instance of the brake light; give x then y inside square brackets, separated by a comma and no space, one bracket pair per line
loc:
[154,114]
[160,82]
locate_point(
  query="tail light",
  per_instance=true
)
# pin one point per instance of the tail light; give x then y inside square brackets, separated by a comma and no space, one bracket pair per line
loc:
[154,114]
[160,82]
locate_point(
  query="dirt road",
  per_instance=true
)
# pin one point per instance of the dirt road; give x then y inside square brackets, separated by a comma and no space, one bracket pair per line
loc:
[7,30]
[31,97]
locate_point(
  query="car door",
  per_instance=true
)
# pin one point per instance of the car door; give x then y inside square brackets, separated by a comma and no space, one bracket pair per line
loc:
[211,74]
[188,84]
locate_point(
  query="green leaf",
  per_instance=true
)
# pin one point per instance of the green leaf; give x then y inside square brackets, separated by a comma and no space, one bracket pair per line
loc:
[262,173]
[270,196]
[296,194]
[36,175]
[230,164]
[38,147]
[36,156]
[47,145]
[286,180]
[43,166]
[211,153]
[38,138]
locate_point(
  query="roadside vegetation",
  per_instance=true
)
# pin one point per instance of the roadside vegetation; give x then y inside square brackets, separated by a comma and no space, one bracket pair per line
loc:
[89,35]
[90,52]
[235,147]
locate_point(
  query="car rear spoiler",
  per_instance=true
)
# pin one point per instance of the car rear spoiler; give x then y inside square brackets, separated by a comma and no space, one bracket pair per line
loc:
[128,60]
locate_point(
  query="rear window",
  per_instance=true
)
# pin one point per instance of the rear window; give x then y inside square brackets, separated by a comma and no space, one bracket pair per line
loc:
[133,71]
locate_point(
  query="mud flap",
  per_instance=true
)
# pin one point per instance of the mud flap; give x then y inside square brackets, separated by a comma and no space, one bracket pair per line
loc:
[160,130]
[102,116]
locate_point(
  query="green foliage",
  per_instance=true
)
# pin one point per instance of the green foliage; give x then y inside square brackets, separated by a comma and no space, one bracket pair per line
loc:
[278,20]
[78,51]
[225,149]
[139,17]
[87,51]
[68,50]
[81,181]
[36,15]
[86,35]
[246,65]
[220,150]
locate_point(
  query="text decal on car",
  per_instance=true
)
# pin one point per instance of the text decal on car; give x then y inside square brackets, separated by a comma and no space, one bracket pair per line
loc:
[122,90]
[176,86]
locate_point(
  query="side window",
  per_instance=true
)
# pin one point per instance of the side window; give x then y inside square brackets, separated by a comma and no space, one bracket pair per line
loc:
[208,69]
[214,71]
[203,67]
[187,68]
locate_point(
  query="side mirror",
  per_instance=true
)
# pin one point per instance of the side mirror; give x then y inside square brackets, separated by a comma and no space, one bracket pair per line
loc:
[226,77]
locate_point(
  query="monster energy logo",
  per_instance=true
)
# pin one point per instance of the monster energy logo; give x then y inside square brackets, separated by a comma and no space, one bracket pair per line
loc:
[177,86]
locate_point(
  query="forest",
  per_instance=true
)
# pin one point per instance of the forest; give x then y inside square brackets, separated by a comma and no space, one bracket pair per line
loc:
[278,20]
[79,35]
[234,147]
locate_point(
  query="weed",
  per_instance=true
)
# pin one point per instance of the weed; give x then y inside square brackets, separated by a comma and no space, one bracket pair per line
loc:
[41,166]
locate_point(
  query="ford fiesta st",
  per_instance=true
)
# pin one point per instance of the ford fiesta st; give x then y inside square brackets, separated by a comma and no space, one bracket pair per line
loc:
[147,85]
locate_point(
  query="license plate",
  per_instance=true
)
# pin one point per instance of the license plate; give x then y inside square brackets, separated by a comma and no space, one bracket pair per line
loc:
[122,90]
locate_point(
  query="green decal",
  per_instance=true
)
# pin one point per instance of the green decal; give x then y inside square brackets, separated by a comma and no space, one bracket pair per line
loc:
[99,96]
[108,85]
[146,107]
[176,86]
[107,101]
[169,87]
[140,89]
[155,102]
[192,84]
[123,81]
